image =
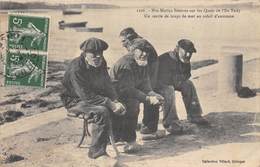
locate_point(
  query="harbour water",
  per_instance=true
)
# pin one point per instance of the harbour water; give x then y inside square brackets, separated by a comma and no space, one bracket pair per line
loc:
[213,37]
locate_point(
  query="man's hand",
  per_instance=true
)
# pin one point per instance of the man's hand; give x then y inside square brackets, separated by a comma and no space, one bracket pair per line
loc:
[118,108]
[155,98]
[152,100]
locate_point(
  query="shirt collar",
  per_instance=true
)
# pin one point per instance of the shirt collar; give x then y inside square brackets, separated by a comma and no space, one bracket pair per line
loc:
[174,55]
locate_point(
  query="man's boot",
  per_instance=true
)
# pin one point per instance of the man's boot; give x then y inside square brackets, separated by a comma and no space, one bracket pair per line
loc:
[198,120]
[132,147]
[105,161]
[175,127]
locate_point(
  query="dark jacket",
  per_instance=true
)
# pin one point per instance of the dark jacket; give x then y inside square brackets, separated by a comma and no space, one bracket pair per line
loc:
[83,82]
[171,70]
[130,80]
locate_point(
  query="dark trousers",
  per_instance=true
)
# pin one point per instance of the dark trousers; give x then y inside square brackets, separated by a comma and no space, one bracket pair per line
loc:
[124,126]
[169,107]
[151,112]
[100,117]
[190,99]
[151,117]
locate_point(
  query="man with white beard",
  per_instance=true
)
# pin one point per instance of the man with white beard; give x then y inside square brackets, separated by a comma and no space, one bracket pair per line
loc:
[173,74]
[149,126]
[88,90]
[130,76]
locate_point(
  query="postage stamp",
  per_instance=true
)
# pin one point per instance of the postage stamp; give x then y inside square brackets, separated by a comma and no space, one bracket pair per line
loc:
[25,69]
[28,32]
[26,49]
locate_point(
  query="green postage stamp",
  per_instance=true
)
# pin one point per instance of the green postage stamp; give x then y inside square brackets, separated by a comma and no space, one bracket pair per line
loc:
[27,50]
[28,32]
[25,69]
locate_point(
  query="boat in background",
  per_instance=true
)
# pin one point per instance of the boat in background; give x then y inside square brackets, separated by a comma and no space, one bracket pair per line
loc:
[88,29]
[63,24]
[70,12]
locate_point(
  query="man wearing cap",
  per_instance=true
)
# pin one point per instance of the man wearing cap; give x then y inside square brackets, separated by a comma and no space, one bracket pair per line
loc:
[174,73]
[130,76]
[128,38]
[88,90]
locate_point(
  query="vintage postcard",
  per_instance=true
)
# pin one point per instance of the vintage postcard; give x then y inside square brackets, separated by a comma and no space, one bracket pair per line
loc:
[180,81]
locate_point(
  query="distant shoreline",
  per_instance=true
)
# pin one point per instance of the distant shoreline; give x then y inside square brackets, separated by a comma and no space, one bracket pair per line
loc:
[6,5]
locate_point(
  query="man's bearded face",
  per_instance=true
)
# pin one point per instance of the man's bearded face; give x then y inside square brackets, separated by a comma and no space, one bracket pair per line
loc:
[140,57]
[94,59]
[184,56]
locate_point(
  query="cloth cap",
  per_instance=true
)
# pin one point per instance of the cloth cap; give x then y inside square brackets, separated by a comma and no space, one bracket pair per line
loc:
[187,45]
[140,44]
[129,33]
[93,45]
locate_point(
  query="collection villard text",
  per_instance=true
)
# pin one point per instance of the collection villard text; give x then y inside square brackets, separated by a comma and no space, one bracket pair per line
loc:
[224,161]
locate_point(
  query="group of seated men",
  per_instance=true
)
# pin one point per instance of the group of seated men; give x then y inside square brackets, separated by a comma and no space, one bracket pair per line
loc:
[140,76]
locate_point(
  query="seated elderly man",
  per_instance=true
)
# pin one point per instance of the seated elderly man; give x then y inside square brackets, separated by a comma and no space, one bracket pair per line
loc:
[130,76]
[88,90]
[174,73]
[128,38]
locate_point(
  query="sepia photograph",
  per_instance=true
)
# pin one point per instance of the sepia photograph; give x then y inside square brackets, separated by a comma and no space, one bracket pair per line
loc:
[129,83]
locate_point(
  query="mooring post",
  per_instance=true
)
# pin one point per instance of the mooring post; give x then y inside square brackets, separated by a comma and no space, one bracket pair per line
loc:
[230,72]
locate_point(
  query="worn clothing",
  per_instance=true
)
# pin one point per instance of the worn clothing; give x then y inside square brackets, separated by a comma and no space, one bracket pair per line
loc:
[171,70]
[169,107]
[129,79]
[132,84]
[99,116]
[151,112]
[150,117]
[190,99]
[174,75]
[89,90]
[83,82]
[124,127]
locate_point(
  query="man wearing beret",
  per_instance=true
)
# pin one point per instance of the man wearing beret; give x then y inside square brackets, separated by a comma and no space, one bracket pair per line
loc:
[174,73]
[88,90]
[131,79]
[128,38]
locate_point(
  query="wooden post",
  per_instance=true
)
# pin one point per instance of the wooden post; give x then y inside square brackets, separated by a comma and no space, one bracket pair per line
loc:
[230,71]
